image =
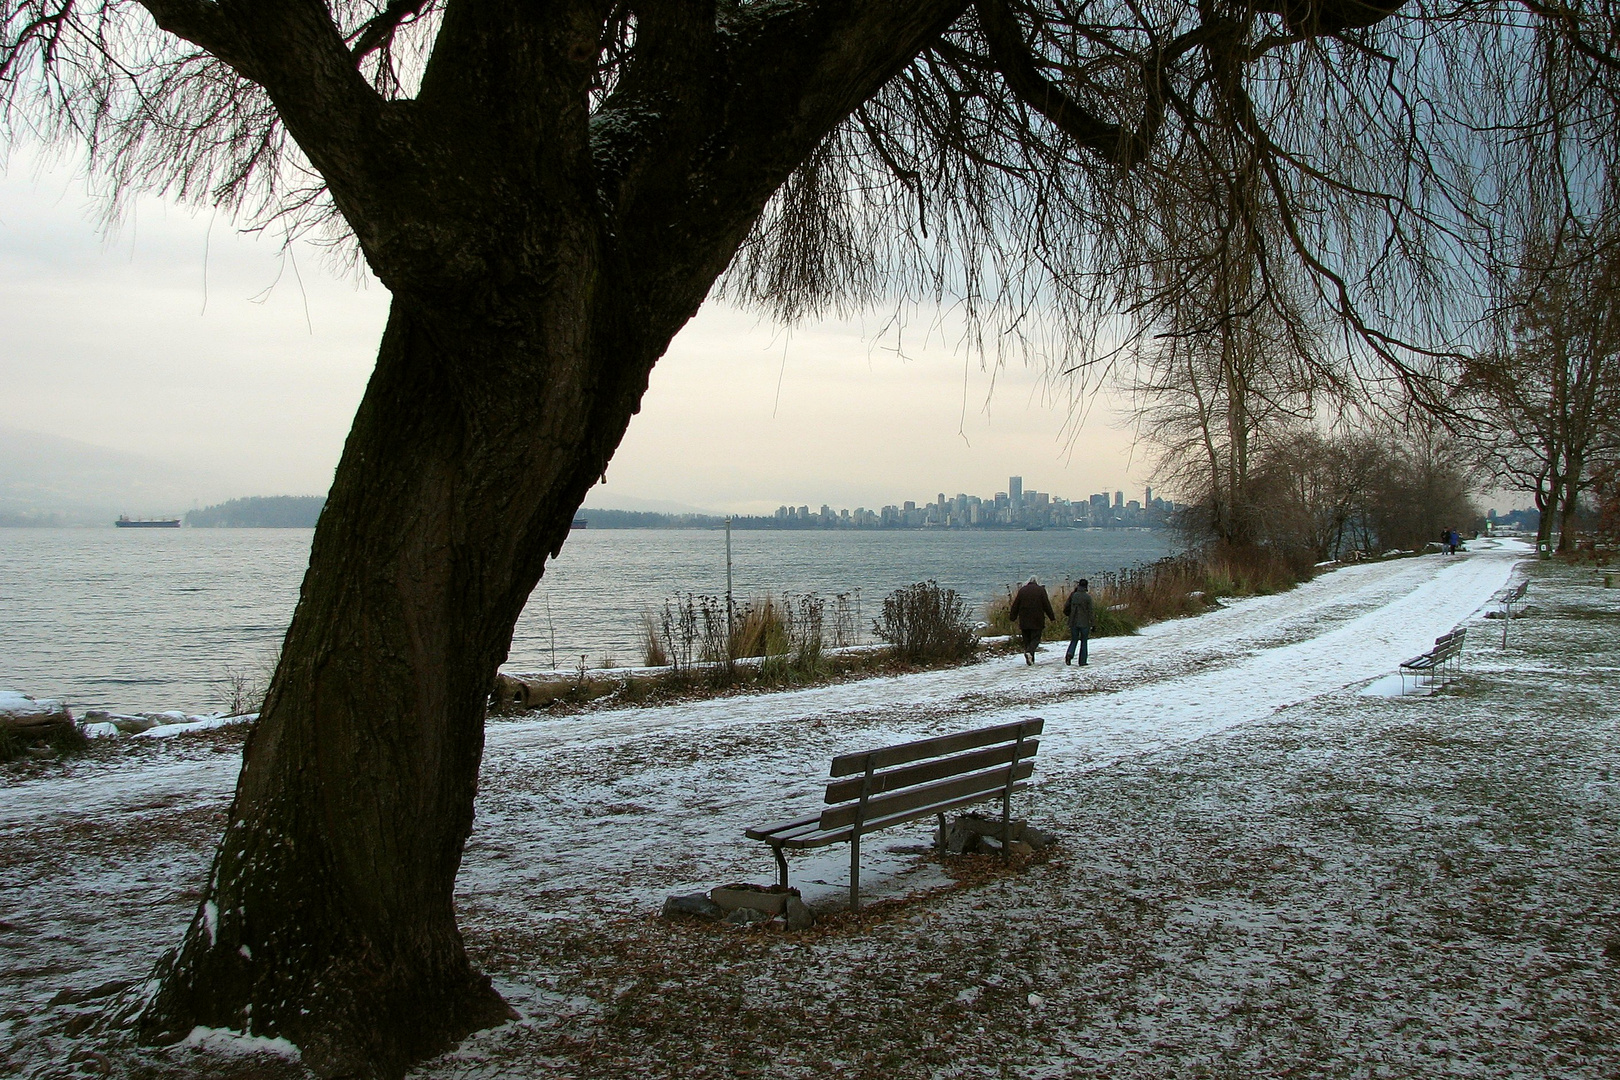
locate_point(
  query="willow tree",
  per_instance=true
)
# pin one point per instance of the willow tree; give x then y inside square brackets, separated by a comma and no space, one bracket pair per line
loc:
[549,191]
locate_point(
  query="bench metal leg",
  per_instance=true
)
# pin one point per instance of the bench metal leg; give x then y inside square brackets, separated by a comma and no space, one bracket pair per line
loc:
[855,872]
[1006,822]
[940,843]
[781,865]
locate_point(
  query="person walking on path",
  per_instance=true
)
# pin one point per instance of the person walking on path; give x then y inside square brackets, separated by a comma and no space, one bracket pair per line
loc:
[1032,607]
[1078,612]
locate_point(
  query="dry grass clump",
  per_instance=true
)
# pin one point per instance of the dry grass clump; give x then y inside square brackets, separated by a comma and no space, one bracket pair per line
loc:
[1186,584]
[52,740]
[708,631]
[1106,621]
[702,650]
[1253,569]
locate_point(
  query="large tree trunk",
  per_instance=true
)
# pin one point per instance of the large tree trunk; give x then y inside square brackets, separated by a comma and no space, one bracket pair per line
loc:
[329,915]
[543,249]
[1570,503]
[1546,499]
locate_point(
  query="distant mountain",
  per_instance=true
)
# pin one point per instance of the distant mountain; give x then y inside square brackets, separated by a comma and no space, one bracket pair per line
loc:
[604,500]
[260,512]
[52,480]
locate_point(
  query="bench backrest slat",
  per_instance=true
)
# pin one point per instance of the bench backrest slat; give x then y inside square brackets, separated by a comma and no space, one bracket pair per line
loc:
[837,817]
[844,790]
[845,764]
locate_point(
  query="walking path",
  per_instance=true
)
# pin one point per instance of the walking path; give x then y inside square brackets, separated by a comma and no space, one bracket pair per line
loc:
[655,800]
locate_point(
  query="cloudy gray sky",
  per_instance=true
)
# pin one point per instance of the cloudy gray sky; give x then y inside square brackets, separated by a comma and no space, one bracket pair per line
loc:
[178,339]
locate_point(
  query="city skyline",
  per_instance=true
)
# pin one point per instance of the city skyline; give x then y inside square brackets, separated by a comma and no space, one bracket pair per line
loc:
[1017,507]
[1014,507]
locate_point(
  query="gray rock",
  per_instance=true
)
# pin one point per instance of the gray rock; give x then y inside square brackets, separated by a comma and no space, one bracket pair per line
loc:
[799,915]
[743,916]
[693,905]
[1038,838]
[958,838]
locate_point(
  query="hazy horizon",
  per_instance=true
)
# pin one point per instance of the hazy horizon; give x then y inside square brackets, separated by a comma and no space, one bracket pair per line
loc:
[181,341]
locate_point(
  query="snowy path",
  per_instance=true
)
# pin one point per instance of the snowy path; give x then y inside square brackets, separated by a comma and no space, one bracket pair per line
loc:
[622,808]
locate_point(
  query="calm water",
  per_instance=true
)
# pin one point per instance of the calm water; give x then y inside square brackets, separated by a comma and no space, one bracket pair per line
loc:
[155,619]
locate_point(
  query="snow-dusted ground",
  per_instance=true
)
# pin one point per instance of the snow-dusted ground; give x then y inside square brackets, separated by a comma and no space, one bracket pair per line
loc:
[1263,870]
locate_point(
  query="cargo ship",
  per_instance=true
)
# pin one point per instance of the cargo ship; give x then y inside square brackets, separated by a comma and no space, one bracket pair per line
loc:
[126,522]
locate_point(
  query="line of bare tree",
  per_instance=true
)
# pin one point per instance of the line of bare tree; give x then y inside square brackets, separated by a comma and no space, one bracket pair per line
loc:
[1543,406]
[1257,400]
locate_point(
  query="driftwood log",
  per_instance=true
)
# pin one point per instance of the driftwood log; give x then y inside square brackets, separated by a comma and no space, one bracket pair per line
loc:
[36,722]
[512,694]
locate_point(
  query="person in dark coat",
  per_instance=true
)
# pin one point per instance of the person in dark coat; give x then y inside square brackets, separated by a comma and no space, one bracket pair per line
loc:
[1032,607]
[1078,612]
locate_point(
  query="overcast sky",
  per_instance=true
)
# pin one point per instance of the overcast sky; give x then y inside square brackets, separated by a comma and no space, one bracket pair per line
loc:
[180,339]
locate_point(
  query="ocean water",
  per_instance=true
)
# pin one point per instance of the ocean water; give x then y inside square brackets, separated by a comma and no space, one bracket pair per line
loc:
[144,620]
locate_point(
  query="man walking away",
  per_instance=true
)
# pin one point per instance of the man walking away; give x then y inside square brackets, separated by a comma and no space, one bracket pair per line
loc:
[1032,607]
[1078,611]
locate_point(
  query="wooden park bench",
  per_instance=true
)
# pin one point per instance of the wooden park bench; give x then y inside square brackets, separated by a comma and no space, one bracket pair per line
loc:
[875,789]
[1443,659]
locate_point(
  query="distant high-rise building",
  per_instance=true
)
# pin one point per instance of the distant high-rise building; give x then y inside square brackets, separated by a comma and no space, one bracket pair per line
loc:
[1149,500]
[1015,492]
[1119,500]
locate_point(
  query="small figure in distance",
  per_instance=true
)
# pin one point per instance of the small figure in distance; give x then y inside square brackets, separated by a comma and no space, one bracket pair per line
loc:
[1451,539]
[1031,607]
[1078,611]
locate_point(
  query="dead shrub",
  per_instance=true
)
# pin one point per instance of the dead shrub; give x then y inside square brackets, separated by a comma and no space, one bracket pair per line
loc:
[925,622]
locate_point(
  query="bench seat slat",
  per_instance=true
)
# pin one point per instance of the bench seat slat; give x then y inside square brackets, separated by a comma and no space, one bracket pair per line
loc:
[844,790]
[888,805]
[845,764]
[822,838]
[770,832]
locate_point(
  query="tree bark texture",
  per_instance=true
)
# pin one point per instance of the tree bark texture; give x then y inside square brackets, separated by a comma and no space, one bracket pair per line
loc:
[541,259]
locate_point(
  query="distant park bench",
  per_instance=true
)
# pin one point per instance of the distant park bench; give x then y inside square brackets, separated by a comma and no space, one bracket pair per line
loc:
[1442,660]
[875,789]
[1508,598]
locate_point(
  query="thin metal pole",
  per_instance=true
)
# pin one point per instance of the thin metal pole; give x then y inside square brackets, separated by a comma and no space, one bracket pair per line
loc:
[730,630]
